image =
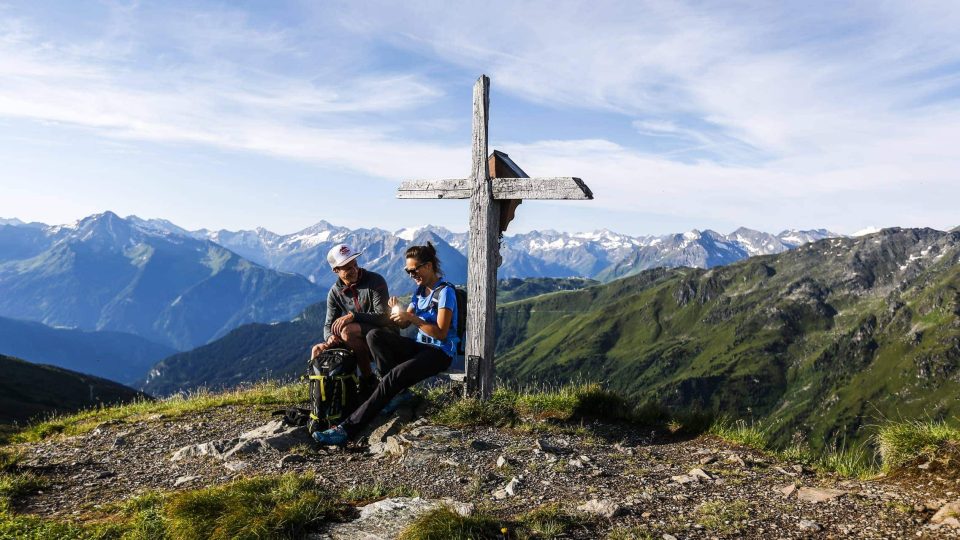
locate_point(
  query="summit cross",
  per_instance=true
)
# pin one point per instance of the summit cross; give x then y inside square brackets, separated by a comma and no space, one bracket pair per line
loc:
[493,201]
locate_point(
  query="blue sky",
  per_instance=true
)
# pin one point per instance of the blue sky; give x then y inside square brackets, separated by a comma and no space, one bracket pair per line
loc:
[678,115]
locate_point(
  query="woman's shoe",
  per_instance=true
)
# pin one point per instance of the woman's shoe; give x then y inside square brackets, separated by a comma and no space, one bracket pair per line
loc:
[397,402]
[335,436]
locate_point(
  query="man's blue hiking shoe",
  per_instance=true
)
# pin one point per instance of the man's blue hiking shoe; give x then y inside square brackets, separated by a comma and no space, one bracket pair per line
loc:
[398,401]
[335,436]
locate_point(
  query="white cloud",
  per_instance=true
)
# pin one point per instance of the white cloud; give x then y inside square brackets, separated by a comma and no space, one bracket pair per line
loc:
[771,113]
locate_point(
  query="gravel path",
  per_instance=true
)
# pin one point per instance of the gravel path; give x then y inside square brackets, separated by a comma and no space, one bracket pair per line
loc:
[697,488]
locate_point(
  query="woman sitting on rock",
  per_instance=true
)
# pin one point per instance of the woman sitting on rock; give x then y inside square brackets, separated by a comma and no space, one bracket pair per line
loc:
[403,362]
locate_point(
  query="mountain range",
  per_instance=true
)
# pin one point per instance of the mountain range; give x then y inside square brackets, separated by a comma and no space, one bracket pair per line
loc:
[601,254]
[816,343]
[184,289]
[109,273]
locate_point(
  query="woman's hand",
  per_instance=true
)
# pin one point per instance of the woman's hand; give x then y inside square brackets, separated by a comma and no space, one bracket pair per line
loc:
[402,318]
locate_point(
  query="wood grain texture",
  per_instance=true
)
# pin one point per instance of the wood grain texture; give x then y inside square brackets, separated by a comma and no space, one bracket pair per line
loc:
[481,254]
[557,188]
[566,188]
[454,188]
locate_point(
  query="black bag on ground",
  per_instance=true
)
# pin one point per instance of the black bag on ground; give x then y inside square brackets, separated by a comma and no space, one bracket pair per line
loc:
[334,391]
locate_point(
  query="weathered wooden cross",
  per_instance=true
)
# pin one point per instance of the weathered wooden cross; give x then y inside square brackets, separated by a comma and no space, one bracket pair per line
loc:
[492,204]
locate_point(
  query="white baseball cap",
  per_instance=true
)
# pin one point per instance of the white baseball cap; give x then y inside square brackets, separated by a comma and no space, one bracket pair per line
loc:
[341,254]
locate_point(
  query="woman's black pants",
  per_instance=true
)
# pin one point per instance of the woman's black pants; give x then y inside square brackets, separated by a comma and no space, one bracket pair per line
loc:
[402,362]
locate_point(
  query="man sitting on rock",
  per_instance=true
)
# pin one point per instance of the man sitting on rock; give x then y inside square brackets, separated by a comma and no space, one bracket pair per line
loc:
[356,304]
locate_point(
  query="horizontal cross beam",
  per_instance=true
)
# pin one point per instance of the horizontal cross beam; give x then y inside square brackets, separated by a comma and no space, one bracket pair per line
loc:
[557,188]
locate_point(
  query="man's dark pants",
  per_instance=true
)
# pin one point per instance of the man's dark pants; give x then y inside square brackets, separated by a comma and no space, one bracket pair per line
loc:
[402,362]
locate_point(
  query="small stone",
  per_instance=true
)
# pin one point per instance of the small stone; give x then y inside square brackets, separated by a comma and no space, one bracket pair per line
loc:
[788,489]
[736,460]
[236,465]
[465,509]
[797,468]
[624,449]
[699,473]
[668,536]
[683,479]
[646,515]
[104,474]
[604,507]
[781,470]
[808,525]
[184,480]
[575,463]
[502,461]
[706,460]
[544,446]
[291,459]
[818,495]
[512,486]
[924,466]
[119,441]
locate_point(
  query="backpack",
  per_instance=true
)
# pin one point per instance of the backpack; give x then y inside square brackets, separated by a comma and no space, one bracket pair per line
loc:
[461,314]
[334,388]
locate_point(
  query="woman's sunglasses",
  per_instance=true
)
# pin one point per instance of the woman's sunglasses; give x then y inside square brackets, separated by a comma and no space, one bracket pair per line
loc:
[413,271]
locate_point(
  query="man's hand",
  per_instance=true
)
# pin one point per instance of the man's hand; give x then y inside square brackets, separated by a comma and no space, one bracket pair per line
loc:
[320,347]
[338,325]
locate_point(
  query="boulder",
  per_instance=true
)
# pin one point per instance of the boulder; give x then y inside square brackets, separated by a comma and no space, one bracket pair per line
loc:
[385,519]
[948,514]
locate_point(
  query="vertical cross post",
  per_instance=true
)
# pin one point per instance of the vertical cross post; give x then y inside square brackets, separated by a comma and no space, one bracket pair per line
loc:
[481,254]
[488,198]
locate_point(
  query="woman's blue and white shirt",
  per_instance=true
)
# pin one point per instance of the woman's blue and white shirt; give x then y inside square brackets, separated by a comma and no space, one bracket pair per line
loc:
[427,306]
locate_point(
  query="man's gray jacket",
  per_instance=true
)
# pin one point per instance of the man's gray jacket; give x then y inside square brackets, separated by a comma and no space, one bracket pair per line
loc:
[366,299]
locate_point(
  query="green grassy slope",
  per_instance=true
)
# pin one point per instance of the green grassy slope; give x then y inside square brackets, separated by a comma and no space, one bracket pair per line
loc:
[33,390]
[818,341]
[513,289]
[249,353]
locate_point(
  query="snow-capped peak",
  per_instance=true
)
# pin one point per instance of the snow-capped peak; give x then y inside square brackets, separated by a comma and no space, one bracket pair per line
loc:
[408,233]
[865,231]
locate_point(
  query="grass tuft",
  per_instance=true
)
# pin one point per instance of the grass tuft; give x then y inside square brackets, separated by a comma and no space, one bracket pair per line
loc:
[287,506]
[445,524]
[547,522]
[903,443]
[499,410]
[739,432]
[722,516]
[856,462]
[507,407]
[15,485]
[367,493]
[265,507]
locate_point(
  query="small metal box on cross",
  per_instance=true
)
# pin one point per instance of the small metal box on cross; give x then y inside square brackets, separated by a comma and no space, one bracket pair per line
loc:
[493,201]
